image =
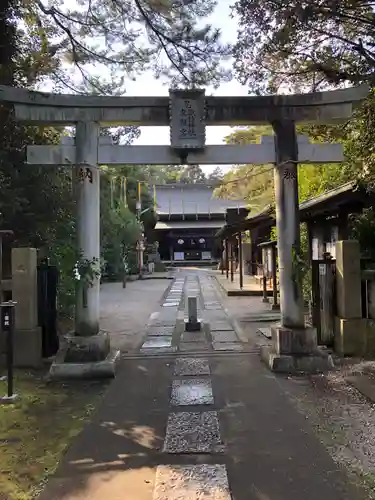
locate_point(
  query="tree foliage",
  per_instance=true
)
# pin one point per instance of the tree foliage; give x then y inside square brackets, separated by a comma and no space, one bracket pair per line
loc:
[254,183]
[126,38]
[304,45]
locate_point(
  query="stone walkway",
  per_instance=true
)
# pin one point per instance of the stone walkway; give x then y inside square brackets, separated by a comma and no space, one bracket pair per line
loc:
[196,416]
[165,330]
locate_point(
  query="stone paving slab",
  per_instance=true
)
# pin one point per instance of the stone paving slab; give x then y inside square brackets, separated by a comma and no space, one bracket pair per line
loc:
[192,391]
[157,342]
[191,482]
[225,336]
[191,366]
[151,351]
[220,326]
[194,346]
[166,331]
[193,337]
[160,322]
[193,432]
[226,346]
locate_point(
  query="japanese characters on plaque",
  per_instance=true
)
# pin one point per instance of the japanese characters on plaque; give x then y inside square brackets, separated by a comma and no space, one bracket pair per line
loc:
[187,119]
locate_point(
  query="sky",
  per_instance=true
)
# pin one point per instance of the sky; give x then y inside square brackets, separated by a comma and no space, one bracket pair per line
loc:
[147,85]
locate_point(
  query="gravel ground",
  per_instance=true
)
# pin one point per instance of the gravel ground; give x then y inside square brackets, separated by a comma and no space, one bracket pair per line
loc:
[341,417]
[124,312]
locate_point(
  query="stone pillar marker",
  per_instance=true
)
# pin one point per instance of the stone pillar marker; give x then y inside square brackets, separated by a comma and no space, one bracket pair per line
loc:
[28,335]
[350,327]
[192,324]
[294,346]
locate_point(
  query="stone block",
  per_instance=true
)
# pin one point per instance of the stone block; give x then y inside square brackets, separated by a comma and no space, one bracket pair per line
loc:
[24,287]
[192,326]
[370,337]
[81,349]
[350,336]
[106,368]
[348,279]
[293,341]
[28,348]
[317,362]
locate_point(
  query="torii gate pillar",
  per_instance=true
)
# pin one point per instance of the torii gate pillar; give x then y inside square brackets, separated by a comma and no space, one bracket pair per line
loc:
[87,186]
[287,224]
[294,344]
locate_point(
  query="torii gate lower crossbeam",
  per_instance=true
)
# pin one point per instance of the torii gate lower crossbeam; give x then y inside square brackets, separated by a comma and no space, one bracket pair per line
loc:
[88,150]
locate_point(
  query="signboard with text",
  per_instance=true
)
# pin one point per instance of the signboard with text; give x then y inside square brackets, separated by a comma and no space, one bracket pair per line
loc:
[187,119]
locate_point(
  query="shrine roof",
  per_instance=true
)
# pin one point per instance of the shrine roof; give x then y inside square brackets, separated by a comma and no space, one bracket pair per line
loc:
[348,197]
[179,199]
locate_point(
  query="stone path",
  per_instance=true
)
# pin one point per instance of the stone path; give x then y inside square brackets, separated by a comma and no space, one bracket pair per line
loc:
[166,328]
[196,417]
[125,311]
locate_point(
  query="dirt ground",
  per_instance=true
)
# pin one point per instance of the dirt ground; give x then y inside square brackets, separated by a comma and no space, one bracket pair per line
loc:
[125,311]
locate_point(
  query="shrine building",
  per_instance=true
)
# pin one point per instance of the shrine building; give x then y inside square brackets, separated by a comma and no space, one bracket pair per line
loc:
[189,216]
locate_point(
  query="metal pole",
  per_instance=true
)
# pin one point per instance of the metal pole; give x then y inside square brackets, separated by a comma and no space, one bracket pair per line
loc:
[7,325]
[240,258]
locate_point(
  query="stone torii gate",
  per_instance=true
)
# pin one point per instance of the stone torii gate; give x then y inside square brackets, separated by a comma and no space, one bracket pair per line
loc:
[188,113]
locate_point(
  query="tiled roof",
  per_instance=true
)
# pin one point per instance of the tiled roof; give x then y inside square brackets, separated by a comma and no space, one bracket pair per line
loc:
[191,199]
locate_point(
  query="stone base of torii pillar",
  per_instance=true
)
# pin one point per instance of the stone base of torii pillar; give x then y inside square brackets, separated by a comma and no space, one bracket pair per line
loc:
[294,351]
[294,345]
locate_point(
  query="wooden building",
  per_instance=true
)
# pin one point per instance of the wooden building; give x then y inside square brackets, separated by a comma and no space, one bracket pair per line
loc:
[189,217]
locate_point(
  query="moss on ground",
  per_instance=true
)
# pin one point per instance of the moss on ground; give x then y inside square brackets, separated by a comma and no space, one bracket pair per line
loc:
[37,429]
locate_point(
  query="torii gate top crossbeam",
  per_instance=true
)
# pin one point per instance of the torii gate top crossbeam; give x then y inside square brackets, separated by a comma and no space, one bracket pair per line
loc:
[63,109]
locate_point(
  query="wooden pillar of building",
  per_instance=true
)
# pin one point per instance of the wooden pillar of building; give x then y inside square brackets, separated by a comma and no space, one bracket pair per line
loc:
[231,261]
[240,258]
[314,231]
[227,258]
[343,226]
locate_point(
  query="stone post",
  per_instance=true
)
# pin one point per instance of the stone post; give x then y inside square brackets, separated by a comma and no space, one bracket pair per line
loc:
[88,224]
[350,327]
[27,336]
